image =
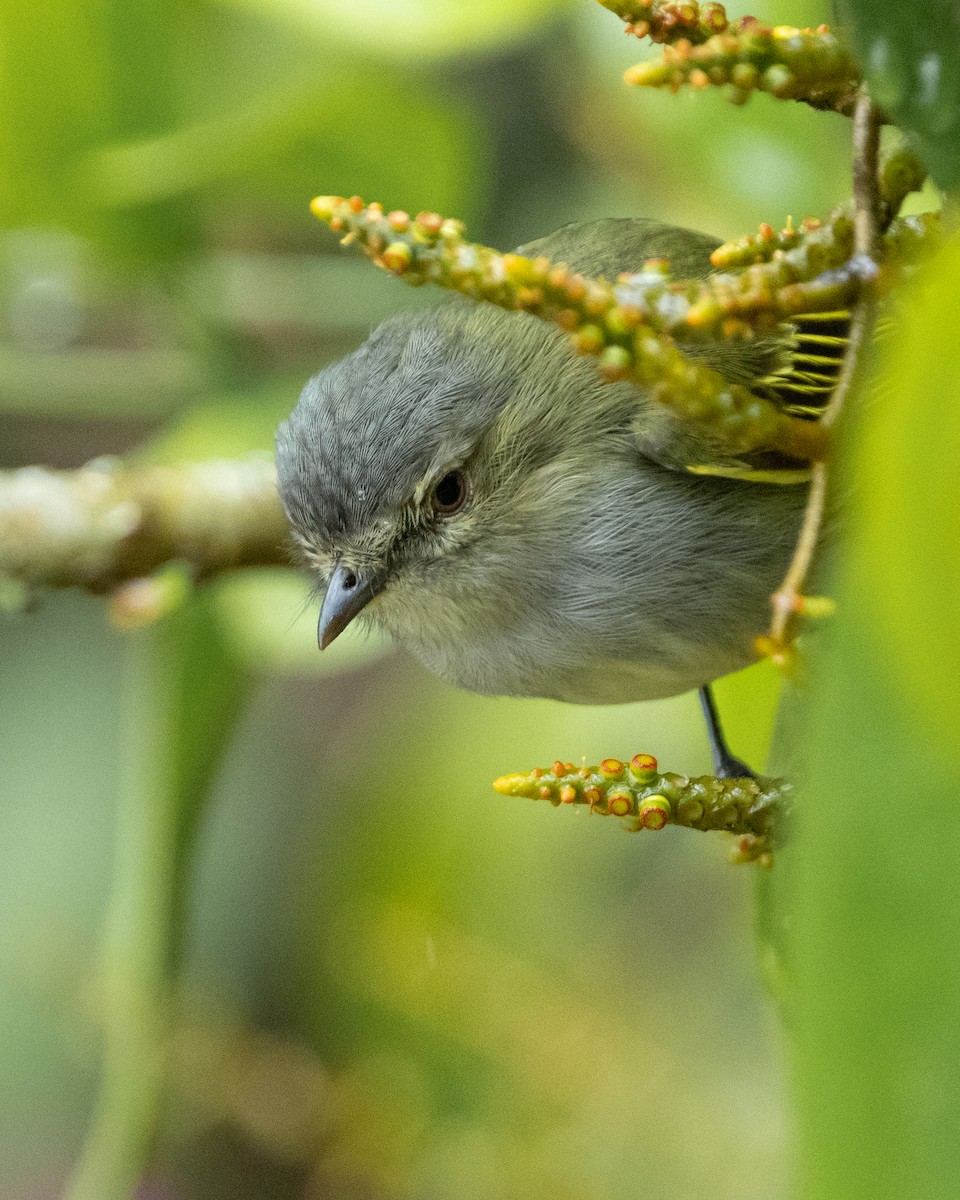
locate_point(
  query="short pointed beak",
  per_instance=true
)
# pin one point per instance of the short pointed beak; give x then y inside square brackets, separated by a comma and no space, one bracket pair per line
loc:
[347,593]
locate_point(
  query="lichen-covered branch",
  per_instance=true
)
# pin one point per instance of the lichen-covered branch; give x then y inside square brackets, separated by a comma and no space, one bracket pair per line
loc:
[107,523]
[749,56]
[633,340]
[646,798]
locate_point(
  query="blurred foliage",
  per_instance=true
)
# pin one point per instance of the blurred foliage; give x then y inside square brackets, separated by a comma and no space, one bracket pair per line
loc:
[422,29]
[911,60]
[184,692]
[874,885]
[393,989]
[443,952]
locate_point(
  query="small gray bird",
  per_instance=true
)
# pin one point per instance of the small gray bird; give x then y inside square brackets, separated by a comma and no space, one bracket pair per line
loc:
[524,528]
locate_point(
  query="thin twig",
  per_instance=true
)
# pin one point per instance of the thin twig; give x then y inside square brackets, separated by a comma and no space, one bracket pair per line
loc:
[867,201]
[867,215]
[787,599]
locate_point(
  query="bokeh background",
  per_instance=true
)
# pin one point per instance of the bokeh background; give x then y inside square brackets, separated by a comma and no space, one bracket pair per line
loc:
[397,985]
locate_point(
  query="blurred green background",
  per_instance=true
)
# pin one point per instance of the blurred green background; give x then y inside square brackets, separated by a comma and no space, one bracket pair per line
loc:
[397,984]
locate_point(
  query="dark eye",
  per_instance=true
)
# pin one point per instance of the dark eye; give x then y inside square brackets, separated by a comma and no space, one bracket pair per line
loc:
[450,492]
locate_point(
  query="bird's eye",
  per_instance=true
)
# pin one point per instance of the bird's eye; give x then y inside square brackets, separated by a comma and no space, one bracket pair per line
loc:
[450,492]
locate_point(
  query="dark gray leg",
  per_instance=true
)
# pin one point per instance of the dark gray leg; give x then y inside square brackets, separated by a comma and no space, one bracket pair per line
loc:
[725,764]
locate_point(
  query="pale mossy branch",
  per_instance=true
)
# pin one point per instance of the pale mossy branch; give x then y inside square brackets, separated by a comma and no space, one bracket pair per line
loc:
[109,522]
[633,340]
[703,48]
[756,810]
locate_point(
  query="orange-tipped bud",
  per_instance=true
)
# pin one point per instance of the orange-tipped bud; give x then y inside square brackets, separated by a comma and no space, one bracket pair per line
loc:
[620,803]
[323,207]
[643,767]
[430,222]
[654,812]
[396,257]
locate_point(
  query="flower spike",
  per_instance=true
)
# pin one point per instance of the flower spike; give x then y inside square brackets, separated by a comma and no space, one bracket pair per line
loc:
[638,327]
[646,798]
[751,56]
[633,333]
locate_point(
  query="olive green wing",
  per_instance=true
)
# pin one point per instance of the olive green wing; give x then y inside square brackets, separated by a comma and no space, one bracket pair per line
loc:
[612,245]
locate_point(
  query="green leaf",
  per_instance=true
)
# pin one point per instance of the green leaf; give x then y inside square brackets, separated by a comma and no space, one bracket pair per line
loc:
[910,56]
[875,899]
[910,507]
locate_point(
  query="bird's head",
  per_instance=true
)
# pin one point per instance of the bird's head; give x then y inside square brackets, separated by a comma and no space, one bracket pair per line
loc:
[400,468]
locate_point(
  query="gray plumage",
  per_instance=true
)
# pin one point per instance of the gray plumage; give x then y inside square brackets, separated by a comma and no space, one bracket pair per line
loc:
[586,564]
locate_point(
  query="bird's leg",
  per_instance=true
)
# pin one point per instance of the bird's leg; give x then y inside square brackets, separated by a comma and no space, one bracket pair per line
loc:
[725,764]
